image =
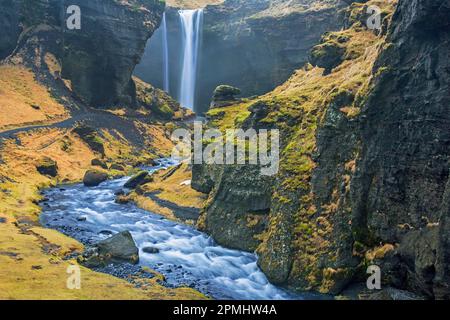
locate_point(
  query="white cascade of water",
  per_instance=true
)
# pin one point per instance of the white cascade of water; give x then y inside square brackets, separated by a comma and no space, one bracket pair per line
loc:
[191,24]
[165,46]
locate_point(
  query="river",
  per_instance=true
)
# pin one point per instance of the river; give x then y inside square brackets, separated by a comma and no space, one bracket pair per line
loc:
[186,256]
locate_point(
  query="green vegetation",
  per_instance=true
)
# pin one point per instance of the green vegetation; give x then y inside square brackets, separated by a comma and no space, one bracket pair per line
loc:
[315,95]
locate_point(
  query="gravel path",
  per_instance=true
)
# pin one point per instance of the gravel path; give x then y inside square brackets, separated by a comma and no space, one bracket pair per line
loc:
[94,118]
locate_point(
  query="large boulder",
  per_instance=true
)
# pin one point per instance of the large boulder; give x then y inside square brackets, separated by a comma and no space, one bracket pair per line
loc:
[93,178]
[120,248]
[47,167]
[224,95]
[139,179]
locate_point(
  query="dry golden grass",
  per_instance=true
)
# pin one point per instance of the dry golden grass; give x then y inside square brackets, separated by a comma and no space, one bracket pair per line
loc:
[27,272]
[172,189]
[150,205]
[23,101]
[31,257]
[156,137]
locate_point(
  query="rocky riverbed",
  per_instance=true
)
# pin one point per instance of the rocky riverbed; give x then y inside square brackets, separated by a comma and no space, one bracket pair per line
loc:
[185,256]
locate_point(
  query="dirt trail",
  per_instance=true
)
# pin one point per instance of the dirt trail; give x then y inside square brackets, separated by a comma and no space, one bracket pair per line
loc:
[95,118]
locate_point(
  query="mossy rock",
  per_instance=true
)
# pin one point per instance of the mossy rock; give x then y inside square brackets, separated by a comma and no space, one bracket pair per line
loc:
[47,167]
[157,101]
[327,55]
[93,178]
[91,138]
[224,95]
[120,248]
[99,163]
[226,92]
[139,179]
[117,167]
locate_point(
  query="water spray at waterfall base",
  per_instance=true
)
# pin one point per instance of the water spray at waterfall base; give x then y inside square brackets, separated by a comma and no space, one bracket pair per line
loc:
[191,24]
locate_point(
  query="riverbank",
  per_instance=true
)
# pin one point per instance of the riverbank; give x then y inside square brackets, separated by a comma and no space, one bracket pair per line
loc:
[34,260]
[171,196]
[184,256]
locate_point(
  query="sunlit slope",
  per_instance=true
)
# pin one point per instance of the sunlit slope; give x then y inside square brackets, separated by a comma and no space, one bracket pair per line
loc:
[24,101]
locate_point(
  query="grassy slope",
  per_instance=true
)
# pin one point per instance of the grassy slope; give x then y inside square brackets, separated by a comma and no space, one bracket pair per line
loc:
[172,189]
[24,101]
[31,258]
[304,100]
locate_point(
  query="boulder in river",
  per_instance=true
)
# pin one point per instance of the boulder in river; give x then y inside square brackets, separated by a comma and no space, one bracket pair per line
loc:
[93,178]
[139,179]
[119,192]
[122,199]
[150,250]
[120,248]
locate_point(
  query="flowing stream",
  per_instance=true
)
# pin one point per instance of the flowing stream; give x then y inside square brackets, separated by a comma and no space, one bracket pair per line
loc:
[186,256]
[191,25]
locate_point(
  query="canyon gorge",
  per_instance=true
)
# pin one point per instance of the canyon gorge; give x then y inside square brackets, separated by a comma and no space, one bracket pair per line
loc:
[86,125]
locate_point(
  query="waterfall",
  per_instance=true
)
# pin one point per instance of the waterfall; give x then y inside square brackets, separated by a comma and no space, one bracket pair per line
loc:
[165,46]
[191,24]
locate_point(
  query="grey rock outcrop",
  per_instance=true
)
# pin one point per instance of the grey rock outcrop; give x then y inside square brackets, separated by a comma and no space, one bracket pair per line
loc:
[120,248]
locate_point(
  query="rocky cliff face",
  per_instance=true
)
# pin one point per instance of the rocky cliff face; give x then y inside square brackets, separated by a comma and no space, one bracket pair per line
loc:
[401,181]
[253,45]
[9,24]
[98,59]
[256,45]
[364,169]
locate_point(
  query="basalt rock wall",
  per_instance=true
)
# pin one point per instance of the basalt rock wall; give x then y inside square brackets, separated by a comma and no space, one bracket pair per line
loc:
[99,58]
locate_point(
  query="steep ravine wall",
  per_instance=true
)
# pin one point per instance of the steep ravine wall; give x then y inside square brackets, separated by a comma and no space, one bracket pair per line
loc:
[256,45]
[401,181]
[364,164]
[98,59]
